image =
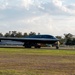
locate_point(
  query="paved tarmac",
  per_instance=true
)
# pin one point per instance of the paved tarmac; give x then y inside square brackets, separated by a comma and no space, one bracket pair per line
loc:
[20,46]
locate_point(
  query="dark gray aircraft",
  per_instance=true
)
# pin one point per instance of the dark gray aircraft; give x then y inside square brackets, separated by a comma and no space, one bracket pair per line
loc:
[34,40]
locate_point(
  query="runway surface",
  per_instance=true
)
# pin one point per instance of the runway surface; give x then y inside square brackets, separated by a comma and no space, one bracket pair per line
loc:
[20,46]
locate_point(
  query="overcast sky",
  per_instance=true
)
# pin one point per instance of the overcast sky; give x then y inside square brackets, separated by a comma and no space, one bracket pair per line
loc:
[54,17]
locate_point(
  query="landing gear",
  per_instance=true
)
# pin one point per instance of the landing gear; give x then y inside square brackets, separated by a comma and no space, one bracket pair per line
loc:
[27,45]
[57,44]
[37,46]
[57,47]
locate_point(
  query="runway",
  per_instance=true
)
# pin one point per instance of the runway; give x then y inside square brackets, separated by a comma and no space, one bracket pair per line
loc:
[20,46]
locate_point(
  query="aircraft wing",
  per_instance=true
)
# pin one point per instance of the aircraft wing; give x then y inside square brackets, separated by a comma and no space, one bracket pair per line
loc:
[33,40]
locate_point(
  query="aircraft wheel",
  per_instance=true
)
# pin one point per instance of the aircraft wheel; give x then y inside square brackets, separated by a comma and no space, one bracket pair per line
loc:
[57,47]
[27,46]
[37,46]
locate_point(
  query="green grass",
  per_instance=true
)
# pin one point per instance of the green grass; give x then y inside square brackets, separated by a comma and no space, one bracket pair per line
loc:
[8,72]
[62,61]
[31,72]
[36,51]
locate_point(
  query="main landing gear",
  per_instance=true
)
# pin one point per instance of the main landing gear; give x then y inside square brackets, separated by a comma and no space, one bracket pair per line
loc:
[29,45]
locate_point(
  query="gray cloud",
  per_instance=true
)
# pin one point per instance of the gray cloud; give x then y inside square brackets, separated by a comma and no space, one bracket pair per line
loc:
[51,16]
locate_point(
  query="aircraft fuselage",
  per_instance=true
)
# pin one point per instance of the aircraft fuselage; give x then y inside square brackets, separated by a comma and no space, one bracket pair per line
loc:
[34,40]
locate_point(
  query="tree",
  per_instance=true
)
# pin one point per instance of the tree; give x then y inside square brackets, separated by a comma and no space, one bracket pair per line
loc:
[7,35]
[19,34]
[32,33]
[38,33]
[25,34]
[13,33]
[68,39]
[1,35]
[61,40]
[73,41]
[68,36]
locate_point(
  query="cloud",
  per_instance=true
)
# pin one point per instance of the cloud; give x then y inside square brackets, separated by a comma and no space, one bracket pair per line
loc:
[26,3]
[3,4]
[49,6]
[59,4]
[71,7]
[44,16]
[37,24]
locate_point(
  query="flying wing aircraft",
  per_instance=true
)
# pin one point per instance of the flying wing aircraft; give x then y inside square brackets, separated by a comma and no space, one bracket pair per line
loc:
[35,40]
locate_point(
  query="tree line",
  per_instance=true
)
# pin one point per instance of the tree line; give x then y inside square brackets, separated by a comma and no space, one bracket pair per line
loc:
[68,39]
[17,34]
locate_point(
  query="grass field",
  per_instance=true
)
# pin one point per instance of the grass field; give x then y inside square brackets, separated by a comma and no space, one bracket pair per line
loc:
[21,61]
